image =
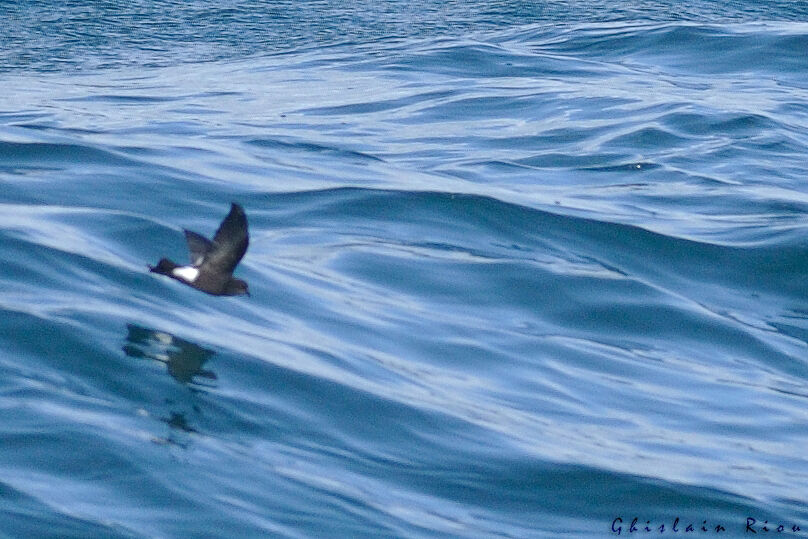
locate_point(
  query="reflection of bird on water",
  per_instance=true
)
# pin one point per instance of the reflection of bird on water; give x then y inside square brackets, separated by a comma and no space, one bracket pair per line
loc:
[178,421]
[184,359]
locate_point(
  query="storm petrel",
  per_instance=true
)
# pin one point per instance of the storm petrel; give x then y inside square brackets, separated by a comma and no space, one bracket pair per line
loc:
[213,262]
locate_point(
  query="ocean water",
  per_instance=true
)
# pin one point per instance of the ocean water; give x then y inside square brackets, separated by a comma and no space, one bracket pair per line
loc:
[518,269]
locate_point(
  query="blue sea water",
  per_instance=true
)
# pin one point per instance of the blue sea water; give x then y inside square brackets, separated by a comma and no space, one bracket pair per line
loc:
[518,269]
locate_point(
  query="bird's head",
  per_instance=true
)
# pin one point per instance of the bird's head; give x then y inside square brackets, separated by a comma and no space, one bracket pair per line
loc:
[237,287]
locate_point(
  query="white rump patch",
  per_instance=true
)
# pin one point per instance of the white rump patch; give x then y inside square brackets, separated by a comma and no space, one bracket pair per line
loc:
[186,273]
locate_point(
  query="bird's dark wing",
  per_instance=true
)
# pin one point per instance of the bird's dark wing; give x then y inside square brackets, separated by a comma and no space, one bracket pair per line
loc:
[198,246]
[229,244]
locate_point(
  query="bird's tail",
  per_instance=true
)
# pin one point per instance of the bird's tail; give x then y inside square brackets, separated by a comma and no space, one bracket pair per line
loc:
[164,267]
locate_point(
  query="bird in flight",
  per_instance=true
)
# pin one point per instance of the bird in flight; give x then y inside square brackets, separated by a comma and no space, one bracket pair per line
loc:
[213,262]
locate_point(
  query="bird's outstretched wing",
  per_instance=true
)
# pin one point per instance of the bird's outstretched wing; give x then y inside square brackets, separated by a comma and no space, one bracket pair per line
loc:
[198,247]
[229,244]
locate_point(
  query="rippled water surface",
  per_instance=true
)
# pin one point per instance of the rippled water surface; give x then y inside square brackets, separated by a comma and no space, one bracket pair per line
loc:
[517,269]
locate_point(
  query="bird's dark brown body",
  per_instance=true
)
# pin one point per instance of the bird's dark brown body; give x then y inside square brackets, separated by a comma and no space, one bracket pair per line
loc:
[213,262]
